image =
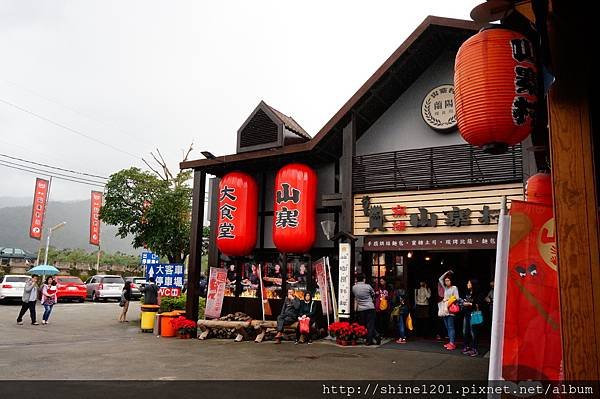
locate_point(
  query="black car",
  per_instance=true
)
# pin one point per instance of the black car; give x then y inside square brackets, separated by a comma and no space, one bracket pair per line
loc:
[7,254]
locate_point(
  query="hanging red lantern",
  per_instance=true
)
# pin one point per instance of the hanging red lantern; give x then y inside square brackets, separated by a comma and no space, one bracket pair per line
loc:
[539,188]
[495,89]
[238,214]
[294,220]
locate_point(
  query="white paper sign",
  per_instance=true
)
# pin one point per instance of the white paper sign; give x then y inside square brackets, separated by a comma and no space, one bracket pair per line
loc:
[344,281]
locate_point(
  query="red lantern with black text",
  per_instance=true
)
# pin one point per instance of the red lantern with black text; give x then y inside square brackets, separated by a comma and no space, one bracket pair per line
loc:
[294,220]
[238,214]
[539,189]
[495,89]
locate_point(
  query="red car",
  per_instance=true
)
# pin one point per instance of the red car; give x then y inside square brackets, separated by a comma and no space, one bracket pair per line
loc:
[70,287]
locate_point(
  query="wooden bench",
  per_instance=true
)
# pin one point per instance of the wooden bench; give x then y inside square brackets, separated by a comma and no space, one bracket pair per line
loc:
[260,326]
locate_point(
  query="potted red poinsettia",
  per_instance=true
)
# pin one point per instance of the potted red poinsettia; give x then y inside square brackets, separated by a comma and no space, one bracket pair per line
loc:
[185,328]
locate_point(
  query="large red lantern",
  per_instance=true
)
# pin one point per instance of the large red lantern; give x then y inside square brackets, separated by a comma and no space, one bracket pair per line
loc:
[238,213]
[294,220]
[495,89]
[539,188]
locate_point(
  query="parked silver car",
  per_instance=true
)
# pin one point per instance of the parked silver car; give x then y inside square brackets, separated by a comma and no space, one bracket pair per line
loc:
[103,286]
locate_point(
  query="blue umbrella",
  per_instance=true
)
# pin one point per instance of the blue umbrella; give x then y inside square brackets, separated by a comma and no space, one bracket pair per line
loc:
[44,269]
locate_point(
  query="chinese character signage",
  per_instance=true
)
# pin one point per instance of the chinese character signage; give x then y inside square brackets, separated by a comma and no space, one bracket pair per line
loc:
[238,214]
[96,204]
[323,285]
[438,211]
[294,220]
[216,290]
[437,109]
[40,196]
[344,280]
[431,242]
[148,258]
[168,276]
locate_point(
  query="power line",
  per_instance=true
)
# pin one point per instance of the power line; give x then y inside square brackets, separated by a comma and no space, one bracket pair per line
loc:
[53,167]
[50,174]
[75,111]
[77,132]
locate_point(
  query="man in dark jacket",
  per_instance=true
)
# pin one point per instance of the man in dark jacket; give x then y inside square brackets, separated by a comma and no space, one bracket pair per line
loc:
[288,315]
[150,292]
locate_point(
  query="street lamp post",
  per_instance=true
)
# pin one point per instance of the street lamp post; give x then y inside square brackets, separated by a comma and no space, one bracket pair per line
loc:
[50,230]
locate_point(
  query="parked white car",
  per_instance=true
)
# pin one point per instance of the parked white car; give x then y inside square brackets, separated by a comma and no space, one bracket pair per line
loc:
[12,286]
[103,286]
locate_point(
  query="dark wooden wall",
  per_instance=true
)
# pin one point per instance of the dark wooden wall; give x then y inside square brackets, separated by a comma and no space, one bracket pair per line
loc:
[574,180]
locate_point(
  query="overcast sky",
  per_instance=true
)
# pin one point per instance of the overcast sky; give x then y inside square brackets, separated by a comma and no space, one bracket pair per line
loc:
[138,75]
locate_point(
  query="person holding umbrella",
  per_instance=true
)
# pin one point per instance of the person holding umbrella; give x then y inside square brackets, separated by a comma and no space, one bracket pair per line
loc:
[29,299]
[49,298]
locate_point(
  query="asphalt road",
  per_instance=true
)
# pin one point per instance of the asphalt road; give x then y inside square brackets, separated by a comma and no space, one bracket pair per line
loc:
[85,341]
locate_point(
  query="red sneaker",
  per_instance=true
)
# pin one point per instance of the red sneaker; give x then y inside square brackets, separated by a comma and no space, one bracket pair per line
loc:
[451,347]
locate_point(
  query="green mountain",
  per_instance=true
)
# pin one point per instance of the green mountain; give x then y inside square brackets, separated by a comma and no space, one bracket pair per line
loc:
[15,218]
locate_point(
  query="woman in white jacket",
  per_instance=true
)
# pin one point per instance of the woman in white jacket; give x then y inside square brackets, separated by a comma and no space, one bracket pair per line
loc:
[449,290]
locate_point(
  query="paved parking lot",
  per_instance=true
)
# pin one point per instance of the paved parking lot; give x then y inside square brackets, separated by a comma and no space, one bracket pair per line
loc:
[85,341]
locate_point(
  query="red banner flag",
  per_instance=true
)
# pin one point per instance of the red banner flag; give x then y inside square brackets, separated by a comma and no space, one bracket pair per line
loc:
[38,210]
[96,204]
[216,291]
[532,338]
[266,307]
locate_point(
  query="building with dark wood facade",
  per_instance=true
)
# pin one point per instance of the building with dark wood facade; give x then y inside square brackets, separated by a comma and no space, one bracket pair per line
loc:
[392,149]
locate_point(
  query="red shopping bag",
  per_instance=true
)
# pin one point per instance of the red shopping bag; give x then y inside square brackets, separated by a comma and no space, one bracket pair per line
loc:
[305,326]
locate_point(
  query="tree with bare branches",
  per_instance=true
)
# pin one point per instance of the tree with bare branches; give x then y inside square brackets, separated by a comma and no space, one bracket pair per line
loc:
[154,207]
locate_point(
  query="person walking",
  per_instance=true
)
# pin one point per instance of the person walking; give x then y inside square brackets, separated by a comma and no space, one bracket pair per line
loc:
[49,298]
[471,302]
[288,315]
[150,292]
[402,311]
[124,302]
[422,295]
[29,299]
[365,308]
[450,290]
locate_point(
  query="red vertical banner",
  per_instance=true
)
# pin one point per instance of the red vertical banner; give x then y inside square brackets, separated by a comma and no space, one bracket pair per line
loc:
[216,292]
[322,282]
[266,307]
[40,197]
[96,204]
[532,347]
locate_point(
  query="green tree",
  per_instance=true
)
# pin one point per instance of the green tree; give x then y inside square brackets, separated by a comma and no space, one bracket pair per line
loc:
[155,208]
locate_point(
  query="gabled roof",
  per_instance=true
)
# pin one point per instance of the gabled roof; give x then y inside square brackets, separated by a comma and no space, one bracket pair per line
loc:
[388,82]
[290,123]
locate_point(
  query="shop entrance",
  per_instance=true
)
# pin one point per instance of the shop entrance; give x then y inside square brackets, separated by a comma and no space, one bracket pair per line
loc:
[403,271]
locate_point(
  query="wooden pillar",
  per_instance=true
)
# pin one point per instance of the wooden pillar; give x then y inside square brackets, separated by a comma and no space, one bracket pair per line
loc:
[195,260]
[213,251]
[346,165]
[575,202]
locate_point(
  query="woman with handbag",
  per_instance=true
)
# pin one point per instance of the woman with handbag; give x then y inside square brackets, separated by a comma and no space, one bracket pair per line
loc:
[124,302]
[402,310]
[306,317]
[473,318]
[449,307]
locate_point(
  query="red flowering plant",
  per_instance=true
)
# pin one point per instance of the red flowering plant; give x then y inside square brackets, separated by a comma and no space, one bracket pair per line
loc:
[346,331]
[183,325]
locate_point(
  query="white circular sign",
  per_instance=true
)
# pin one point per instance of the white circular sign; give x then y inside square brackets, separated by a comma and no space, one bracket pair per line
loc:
[438,108]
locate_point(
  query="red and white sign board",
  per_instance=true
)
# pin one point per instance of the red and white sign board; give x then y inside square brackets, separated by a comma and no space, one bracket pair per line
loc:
[40,197]
[167,291]
[96,204]
[216,292]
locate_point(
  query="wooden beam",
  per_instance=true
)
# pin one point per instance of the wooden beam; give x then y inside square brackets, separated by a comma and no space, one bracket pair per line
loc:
[195,260]
[346,165]
[213,251]
[575,202]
